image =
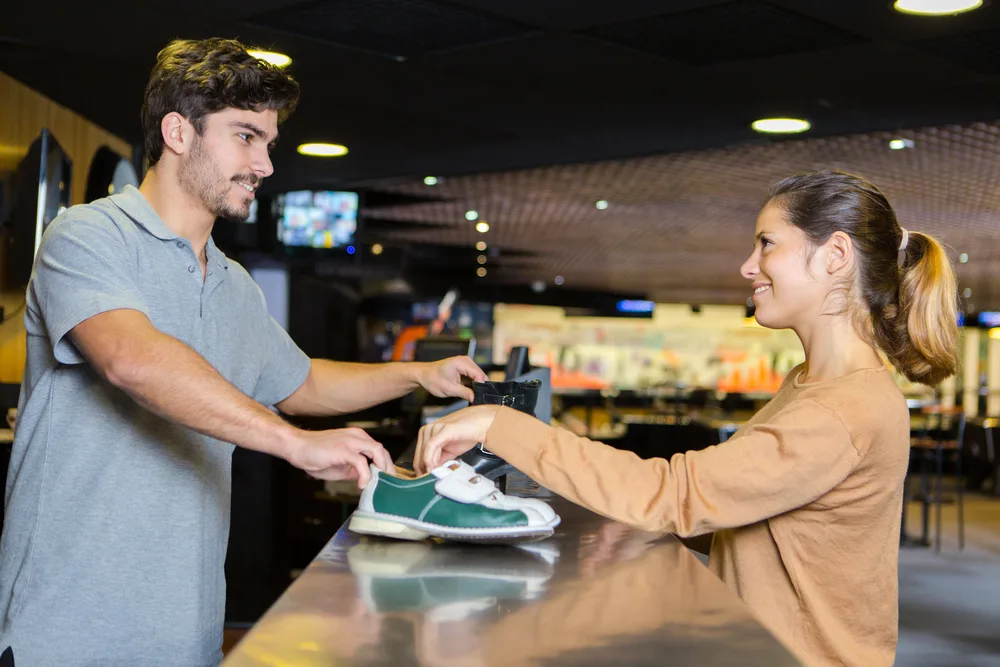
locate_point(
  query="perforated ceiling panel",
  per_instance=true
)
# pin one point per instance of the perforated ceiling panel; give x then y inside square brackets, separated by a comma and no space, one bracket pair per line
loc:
[729,32]
[396,28]
[678,227]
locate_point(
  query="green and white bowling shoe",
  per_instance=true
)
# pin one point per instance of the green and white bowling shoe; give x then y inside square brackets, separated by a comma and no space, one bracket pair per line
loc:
[453,502]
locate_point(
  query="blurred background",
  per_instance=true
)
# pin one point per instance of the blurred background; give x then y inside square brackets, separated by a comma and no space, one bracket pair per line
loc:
[578,178]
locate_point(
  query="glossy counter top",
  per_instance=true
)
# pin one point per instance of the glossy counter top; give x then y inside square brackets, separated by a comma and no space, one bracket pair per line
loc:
[597,593]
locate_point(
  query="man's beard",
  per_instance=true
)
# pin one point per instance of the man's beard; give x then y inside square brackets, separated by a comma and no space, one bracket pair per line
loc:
[201,178]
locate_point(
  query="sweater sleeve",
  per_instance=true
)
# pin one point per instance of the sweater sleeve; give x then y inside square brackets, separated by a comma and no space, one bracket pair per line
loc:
[768,469]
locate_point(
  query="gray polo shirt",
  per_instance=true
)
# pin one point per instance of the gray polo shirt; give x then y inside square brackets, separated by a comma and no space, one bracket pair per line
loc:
[116,520]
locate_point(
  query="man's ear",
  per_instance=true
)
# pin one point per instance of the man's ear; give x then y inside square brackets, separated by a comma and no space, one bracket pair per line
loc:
[840,252]
[178,133]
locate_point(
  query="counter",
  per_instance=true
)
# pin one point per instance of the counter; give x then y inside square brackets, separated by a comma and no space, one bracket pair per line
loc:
[597,593]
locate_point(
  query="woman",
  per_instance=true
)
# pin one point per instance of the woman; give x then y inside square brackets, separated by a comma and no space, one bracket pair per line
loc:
[805,499]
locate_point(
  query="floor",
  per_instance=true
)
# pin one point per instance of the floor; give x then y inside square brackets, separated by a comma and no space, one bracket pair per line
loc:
[949,602]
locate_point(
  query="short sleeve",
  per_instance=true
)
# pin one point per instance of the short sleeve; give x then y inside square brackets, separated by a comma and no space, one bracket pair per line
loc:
[84,267]
[286,366]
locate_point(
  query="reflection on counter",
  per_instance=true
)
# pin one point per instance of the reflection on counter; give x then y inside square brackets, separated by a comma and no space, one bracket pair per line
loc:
[597,593]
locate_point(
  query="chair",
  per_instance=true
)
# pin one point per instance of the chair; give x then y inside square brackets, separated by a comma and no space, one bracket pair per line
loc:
[942,436]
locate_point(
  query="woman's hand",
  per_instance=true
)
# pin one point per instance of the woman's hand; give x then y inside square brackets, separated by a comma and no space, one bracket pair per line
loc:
[452,435]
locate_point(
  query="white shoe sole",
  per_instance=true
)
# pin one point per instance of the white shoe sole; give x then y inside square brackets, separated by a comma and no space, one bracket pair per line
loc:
[403,528]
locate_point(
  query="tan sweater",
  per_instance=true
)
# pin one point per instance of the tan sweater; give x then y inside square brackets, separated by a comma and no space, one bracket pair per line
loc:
[805,501]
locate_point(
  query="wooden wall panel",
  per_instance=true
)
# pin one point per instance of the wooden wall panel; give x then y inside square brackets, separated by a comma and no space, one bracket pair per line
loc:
[23,114]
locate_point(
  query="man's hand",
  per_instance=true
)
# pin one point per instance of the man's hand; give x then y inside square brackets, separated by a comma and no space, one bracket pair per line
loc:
[338,455]
[444,378]
[452,435]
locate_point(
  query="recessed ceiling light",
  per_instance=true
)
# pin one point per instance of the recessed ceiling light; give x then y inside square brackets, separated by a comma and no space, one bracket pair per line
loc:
[481,246]
[323,150]
[900,144]
[471,215]
[936,7]
[377,249]
[967,292]
[780,125]
[601,204]
[538,286]
[430,180]
[559,280]
[482,227]
[276,59]
[481,259]
[481,272]
[963,258]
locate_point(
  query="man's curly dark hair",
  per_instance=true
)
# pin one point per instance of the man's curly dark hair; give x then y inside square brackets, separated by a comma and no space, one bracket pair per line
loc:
[196,78]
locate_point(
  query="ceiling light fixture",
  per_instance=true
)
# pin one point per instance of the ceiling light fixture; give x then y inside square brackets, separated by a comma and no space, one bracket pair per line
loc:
[276,59]
[481,246]
[968,292]
[936,7]
[900,144]
[322,150]
[481,272]
[559,280]
[780,125]
[481,259]
[430,180]
[963,258]
[601,204]
[377,249]
[482,227]
[471,215]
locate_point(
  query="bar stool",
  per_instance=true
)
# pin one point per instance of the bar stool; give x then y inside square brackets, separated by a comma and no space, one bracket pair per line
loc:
[942,435]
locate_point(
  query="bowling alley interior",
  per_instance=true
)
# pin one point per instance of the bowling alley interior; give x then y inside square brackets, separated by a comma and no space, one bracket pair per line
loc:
[566,193]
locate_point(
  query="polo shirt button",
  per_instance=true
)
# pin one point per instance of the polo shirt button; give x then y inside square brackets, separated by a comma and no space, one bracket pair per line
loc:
[180,244]
[190,269]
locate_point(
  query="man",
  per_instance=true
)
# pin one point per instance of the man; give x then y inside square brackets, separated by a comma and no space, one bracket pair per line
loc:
[150,355]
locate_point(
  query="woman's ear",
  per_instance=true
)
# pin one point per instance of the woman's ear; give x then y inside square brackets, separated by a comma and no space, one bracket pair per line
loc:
[840,252]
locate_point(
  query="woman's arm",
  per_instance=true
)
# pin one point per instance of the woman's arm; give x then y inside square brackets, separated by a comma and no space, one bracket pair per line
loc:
[768,469]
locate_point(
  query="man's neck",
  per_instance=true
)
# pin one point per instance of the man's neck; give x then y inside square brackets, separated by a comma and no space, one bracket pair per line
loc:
[179,212]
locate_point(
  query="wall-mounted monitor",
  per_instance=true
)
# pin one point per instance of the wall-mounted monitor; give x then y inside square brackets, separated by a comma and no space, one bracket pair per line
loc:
[317,219]
[988,319]
[40,189]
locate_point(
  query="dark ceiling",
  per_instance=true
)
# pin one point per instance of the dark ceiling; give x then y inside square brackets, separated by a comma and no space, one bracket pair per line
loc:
[462,88]
[418,87]
[677,227]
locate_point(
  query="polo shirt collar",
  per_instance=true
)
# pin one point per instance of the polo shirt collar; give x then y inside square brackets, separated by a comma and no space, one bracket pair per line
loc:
[135,206]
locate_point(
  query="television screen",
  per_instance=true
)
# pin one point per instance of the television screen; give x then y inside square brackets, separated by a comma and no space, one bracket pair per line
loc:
[40,190]
[322,219]
[989,319]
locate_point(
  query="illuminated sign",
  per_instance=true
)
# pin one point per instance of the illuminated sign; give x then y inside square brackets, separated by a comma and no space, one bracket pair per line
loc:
[635,306]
